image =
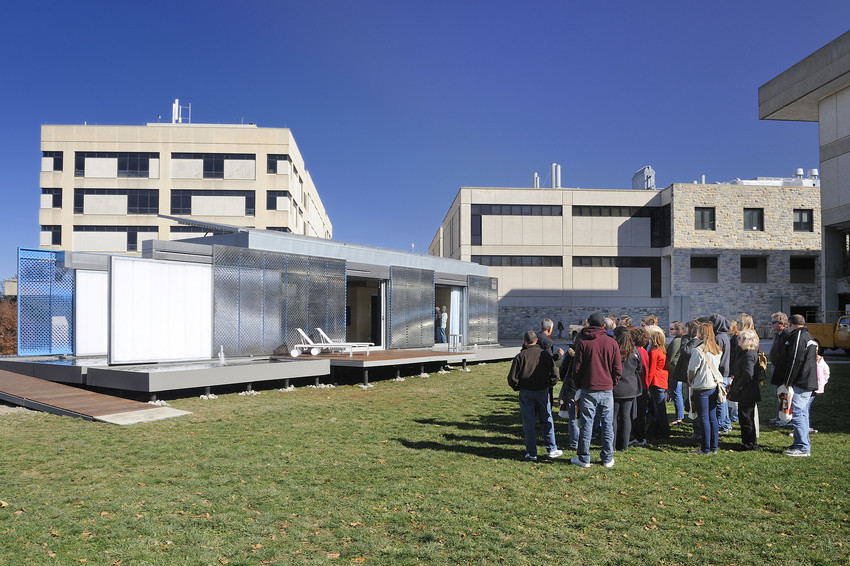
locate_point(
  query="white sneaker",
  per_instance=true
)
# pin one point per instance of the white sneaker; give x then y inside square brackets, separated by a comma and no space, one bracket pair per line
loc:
[797,452]
[556,453]
[609,463]
[579,463]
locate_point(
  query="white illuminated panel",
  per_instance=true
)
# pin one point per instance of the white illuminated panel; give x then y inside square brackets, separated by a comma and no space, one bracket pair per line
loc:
[90,312]
[159,311]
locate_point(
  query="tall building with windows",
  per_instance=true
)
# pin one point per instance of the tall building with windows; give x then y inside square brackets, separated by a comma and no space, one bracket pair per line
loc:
[688,250]
[103,187]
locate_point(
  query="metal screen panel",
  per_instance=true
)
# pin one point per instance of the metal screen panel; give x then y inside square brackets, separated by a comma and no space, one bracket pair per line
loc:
[483,309]
[411,307]
[262,297]
[45,304]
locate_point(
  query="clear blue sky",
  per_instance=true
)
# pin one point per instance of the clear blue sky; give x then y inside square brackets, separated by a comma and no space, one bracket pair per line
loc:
[397,104]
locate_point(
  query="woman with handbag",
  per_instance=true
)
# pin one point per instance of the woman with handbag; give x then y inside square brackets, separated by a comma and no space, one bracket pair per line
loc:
[703,378]
[745,387]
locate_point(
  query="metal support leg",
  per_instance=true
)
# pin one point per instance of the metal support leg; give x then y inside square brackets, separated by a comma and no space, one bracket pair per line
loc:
[398,373]
[207,390]
[153,396]
[464,364]
[316,381]
[421,369]
[250,387]
[286,383]
[365,377]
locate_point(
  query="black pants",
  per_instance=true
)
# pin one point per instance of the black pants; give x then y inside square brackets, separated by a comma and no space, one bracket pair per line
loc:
[639,424]
[623,409]
[746,414]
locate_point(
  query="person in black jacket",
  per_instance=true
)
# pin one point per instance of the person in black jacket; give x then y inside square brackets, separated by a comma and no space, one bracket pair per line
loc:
[797,370]
[532,373]
[627,389]
[745,388]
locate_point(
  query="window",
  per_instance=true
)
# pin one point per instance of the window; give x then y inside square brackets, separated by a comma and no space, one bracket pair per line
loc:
[57,159]
[803,220]
[518,260]
[214,162]
[704,218]
[479,210]
[132,232]
[632,262]
[703,269]
[753,269]
[272,196]
[139,201]
[181,200]
[56,234]
[271,162]
[754,219]
[57,196]
[130,164]
[279,229]
[803,269]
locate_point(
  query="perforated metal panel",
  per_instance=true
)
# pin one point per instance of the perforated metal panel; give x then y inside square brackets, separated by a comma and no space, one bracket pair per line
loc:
[411,307]
[483,309]
[262,297]
[45,304]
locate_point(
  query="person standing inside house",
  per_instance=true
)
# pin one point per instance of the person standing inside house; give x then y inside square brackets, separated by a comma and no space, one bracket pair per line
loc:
[532,373]
[444,321]
[797,368]
[437,325]
[598,367]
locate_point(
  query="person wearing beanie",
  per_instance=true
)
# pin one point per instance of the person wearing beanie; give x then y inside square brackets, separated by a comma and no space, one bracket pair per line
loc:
[597,369]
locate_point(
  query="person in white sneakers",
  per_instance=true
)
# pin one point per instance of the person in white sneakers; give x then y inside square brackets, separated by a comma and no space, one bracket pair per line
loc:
[797,369]
[532,373]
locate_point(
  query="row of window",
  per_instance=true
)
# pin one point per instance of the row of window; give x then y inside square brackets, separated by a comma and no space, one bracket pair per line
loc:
[705,219]
[136,164]
[139,201]
[660,222]
[519,260]
[802,269]
[181,200]
[132,231]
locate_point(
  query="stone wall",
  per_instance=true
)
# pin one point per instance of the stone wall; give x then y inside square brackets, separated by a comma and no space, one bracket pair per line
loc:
[515,321]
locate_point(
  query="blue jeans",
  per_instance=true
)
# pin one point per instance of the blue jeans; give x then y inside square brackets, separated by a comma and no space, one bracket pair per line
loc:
[678,400]
[574,431]
[590,403]
[535,406]
[706,405]
[723,420]
[800,418]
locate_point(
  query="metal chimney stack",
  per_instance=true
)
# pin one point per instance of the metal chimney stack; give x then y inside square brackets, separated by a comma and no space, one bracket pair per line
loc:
[535,180]
[556,176]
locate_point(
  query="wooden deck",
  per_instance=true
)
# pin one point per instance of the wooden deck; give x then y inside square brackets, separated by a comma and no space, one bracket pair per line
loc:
[59,399]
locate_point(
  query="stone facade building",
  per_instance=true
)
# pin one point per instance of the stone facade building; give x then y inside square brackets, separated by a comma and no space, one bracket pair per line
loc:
[685,251]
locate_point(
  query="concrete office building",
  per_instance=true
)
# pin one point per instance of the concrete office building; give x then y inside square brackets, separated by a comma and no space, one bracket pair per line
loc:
[102,187]
[817,89]
[688,250]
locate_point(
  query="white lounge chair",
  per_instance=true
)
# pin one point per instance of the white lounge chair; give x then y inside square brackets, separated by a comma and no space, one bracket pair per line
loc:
[315,348]
[326,341]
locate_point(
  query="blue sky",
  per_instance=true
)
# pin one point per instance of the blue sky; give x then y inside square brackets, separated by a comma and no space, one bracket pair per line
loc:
[395,105]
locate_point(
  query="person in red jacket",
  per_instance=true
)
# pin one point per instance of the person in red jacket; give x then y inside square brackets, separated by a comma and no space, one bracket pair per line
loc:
[657,425]
[598,367]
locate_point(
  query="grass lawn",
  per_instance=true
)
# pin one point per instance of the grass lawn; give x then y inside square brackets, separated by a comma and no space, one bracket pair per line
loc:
[425,471]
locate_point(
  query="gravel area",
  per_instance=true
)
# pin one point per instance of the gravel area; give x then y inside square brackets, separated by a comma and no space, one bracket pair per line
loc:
[12,409]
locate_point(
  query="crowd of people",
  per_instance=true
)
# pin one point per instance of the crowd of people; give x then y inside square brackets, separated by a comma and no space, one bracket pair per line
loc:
[617,379]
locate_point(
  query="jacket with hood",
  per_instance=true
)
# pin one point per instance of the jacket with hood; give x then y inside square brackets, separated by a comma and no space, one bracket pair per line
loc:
[532,369]
[598,364]
[798,360]
[721,336]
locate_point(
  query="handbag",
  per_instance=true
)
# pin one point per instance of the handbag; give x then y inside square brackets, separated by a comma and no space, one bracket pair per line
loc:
[785,395]
[721,394]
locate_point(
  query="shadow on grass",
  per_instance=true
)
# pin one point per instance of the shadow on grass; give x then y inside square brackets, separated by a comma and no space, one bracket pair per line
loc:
[500,432]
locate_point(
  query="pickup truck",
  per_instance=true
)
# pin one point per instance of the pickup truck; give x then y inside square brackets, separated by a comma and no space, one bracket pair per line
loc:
[832,335]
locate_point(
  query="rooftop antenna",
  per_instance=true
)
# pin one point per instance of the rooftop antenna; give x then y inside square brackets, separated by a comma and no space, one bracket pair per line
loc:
[177,112]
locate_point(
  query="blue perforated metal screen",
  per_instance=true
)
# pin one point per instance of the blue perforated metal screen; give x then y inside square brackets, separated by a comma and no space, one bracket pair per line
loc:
[45,304]
[261,297]
[483,309]
[411,307]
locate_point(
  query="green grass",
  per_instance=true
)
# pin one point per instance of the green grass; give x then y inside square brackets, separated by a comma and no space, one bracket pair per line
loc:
[425,471]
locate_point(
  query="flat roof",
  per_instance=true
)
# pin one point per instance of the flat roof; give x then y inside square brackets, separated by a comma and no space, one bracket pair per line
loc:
[796,93]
